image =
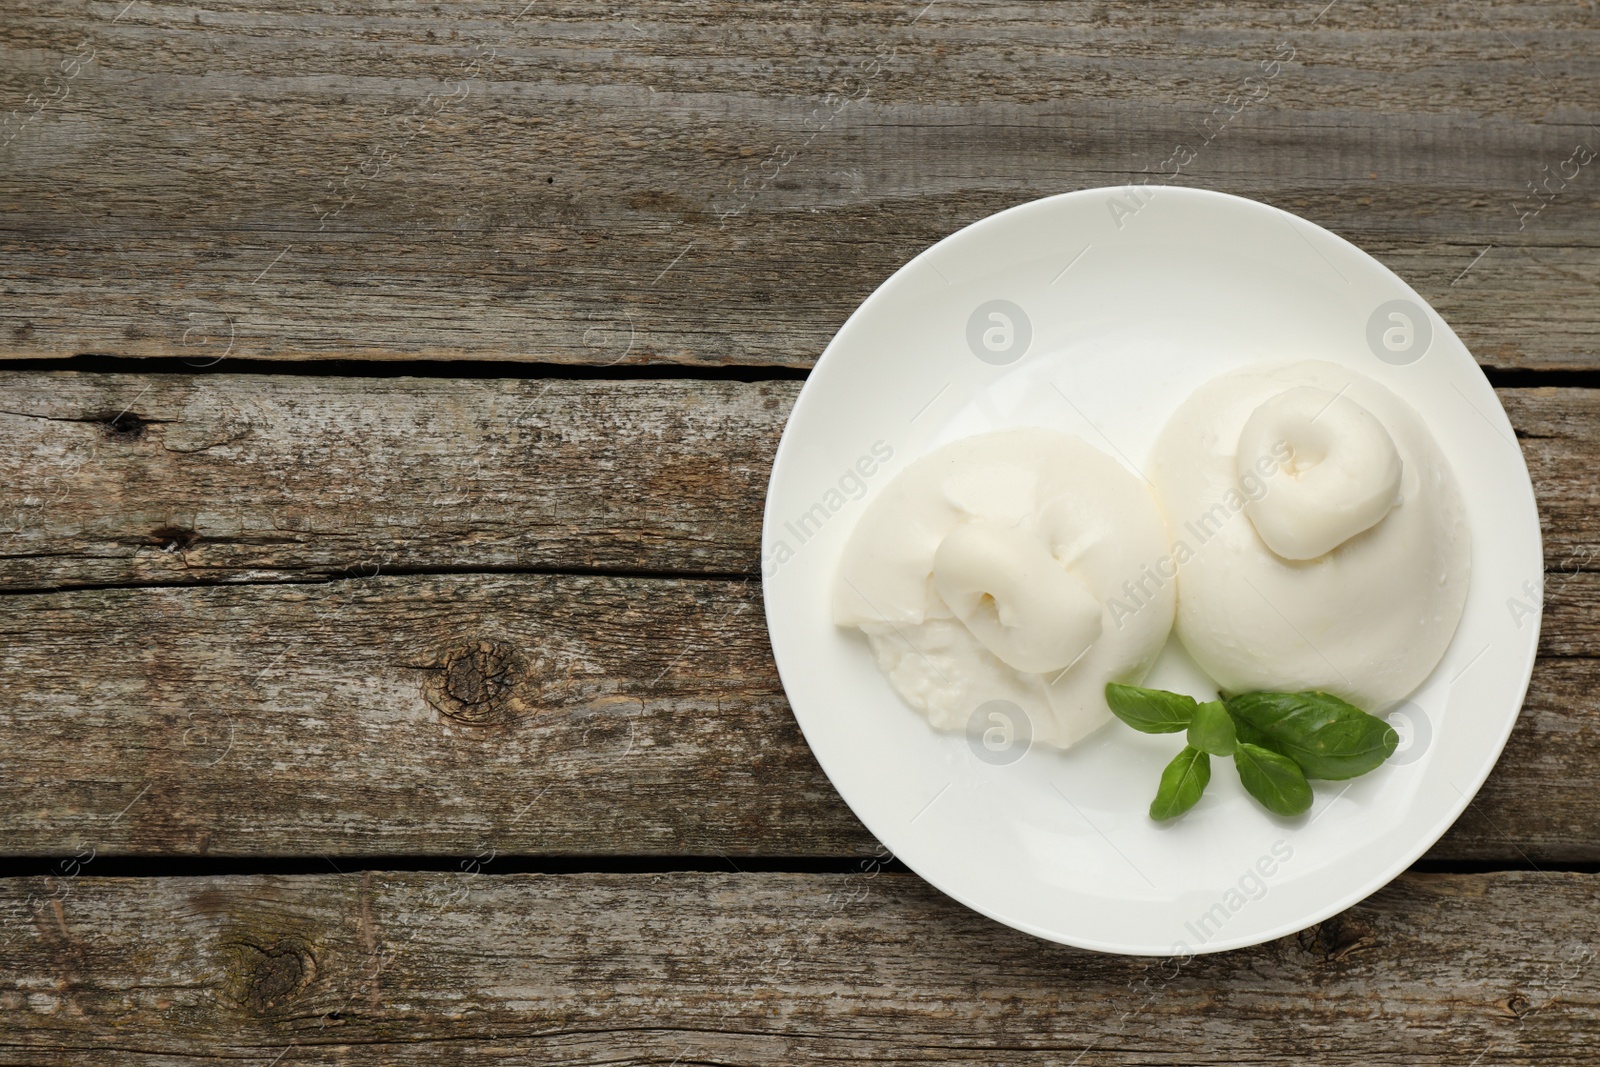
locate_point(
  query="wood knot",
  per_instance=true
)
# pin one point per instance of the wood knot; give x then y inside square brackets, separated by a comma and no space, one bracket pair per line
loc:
[174,538]
[478,683]
[1337,937]
[125,426]
[262,978]
[1519,1005]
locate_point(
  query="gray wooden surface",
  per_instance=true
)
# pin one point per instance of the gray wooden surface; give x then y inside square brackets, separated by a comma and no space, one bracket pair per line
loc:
[483,596]
[674,182]
[862,967]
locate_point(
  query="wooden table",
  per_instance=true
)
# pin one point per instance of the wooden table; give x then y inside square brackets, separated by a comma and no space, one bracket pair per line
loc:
[390,395]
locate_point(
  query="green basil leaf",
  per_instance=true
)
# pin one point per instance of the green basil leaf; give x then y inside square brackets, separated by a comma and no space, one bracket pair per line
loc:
[1247,734]
[1181,784]
[1327,737]
[1273,779]
[1211,730]
[1152,711]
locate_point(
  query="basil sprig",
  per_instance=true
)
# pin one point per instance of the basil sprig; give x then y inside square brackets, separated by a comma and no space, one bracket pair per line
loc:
[1277,741]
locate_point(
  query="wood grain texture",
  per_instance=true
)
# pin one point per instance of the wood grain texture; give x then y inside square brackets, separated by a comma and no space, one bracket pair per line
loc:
[304,616]
[262,477]
[531,714]
[702,183]
[168,479]
[405,715]
[380,968]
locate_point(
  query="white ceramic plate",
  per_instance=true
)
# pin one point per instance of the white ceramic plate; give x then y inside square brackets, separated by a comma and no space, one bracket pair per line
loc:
[1113,305]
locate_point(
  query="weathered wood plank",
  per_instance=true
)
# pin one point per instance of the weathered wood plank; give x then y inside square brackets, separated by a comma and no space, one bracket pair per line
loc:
[532,714]
[1559,431]
[765,968]
[1517,816]
[713,183]
[111,479]
[260,477]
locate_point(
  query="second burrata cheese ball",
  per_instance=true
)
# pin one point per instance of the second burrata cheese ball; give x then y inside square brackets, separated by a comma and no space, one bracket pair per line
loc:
[1318,534]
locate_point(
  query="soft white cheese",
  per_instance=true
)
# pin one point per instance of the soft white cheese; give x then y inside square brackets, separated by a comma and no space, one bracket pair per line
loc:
[1339,471]
[1318,531]
[1010,566]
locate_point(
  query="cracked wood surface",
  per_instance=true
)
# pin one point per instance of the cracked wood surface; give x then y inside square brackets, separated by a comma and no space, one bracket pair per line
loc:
[707,184]
[168,479]
[385,714]
[437,715]
[385,968]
